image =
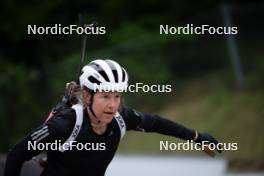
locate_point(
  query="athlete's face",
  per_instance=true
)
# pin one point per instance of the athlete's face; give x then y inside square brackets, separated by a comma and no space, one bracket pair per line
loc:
[105,105]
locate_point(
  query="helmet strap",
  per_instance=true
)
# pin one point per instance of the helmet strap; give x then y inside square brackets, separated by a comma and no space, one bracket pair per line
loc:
[90,107]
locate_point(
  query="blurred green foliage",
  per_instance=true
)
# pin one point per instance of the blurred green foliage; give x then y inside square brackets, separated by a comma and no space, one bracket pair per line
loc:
[35,68]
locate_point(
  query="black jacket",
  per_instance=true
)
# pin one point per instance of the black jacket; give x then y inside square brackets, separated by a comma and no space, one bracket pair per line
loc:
[101,148]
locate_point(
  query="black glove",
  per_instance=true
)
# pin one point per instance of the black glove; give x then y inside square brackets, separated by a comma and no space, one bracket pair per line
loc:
[208,139]
[41,160]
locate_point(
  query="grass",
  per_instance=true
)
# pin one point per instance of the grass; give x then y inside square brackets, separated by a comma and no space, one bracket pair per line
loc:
[210,104]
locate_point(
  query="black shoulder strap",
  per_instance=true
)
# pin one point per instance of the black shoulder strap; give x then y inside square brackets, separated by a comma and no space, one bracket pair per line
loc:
[121,123]
[77,127]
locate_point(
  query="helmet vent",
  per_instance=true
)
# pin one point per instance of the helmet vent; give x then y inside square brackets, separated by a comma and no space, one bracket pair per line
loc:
[115,75]
[93,80]
[113,68]
[100,70]
[123,74]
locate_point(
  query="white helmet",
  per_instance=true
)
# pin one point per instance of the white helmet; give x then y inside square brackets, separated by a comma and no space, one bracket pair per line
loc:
[104,75]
